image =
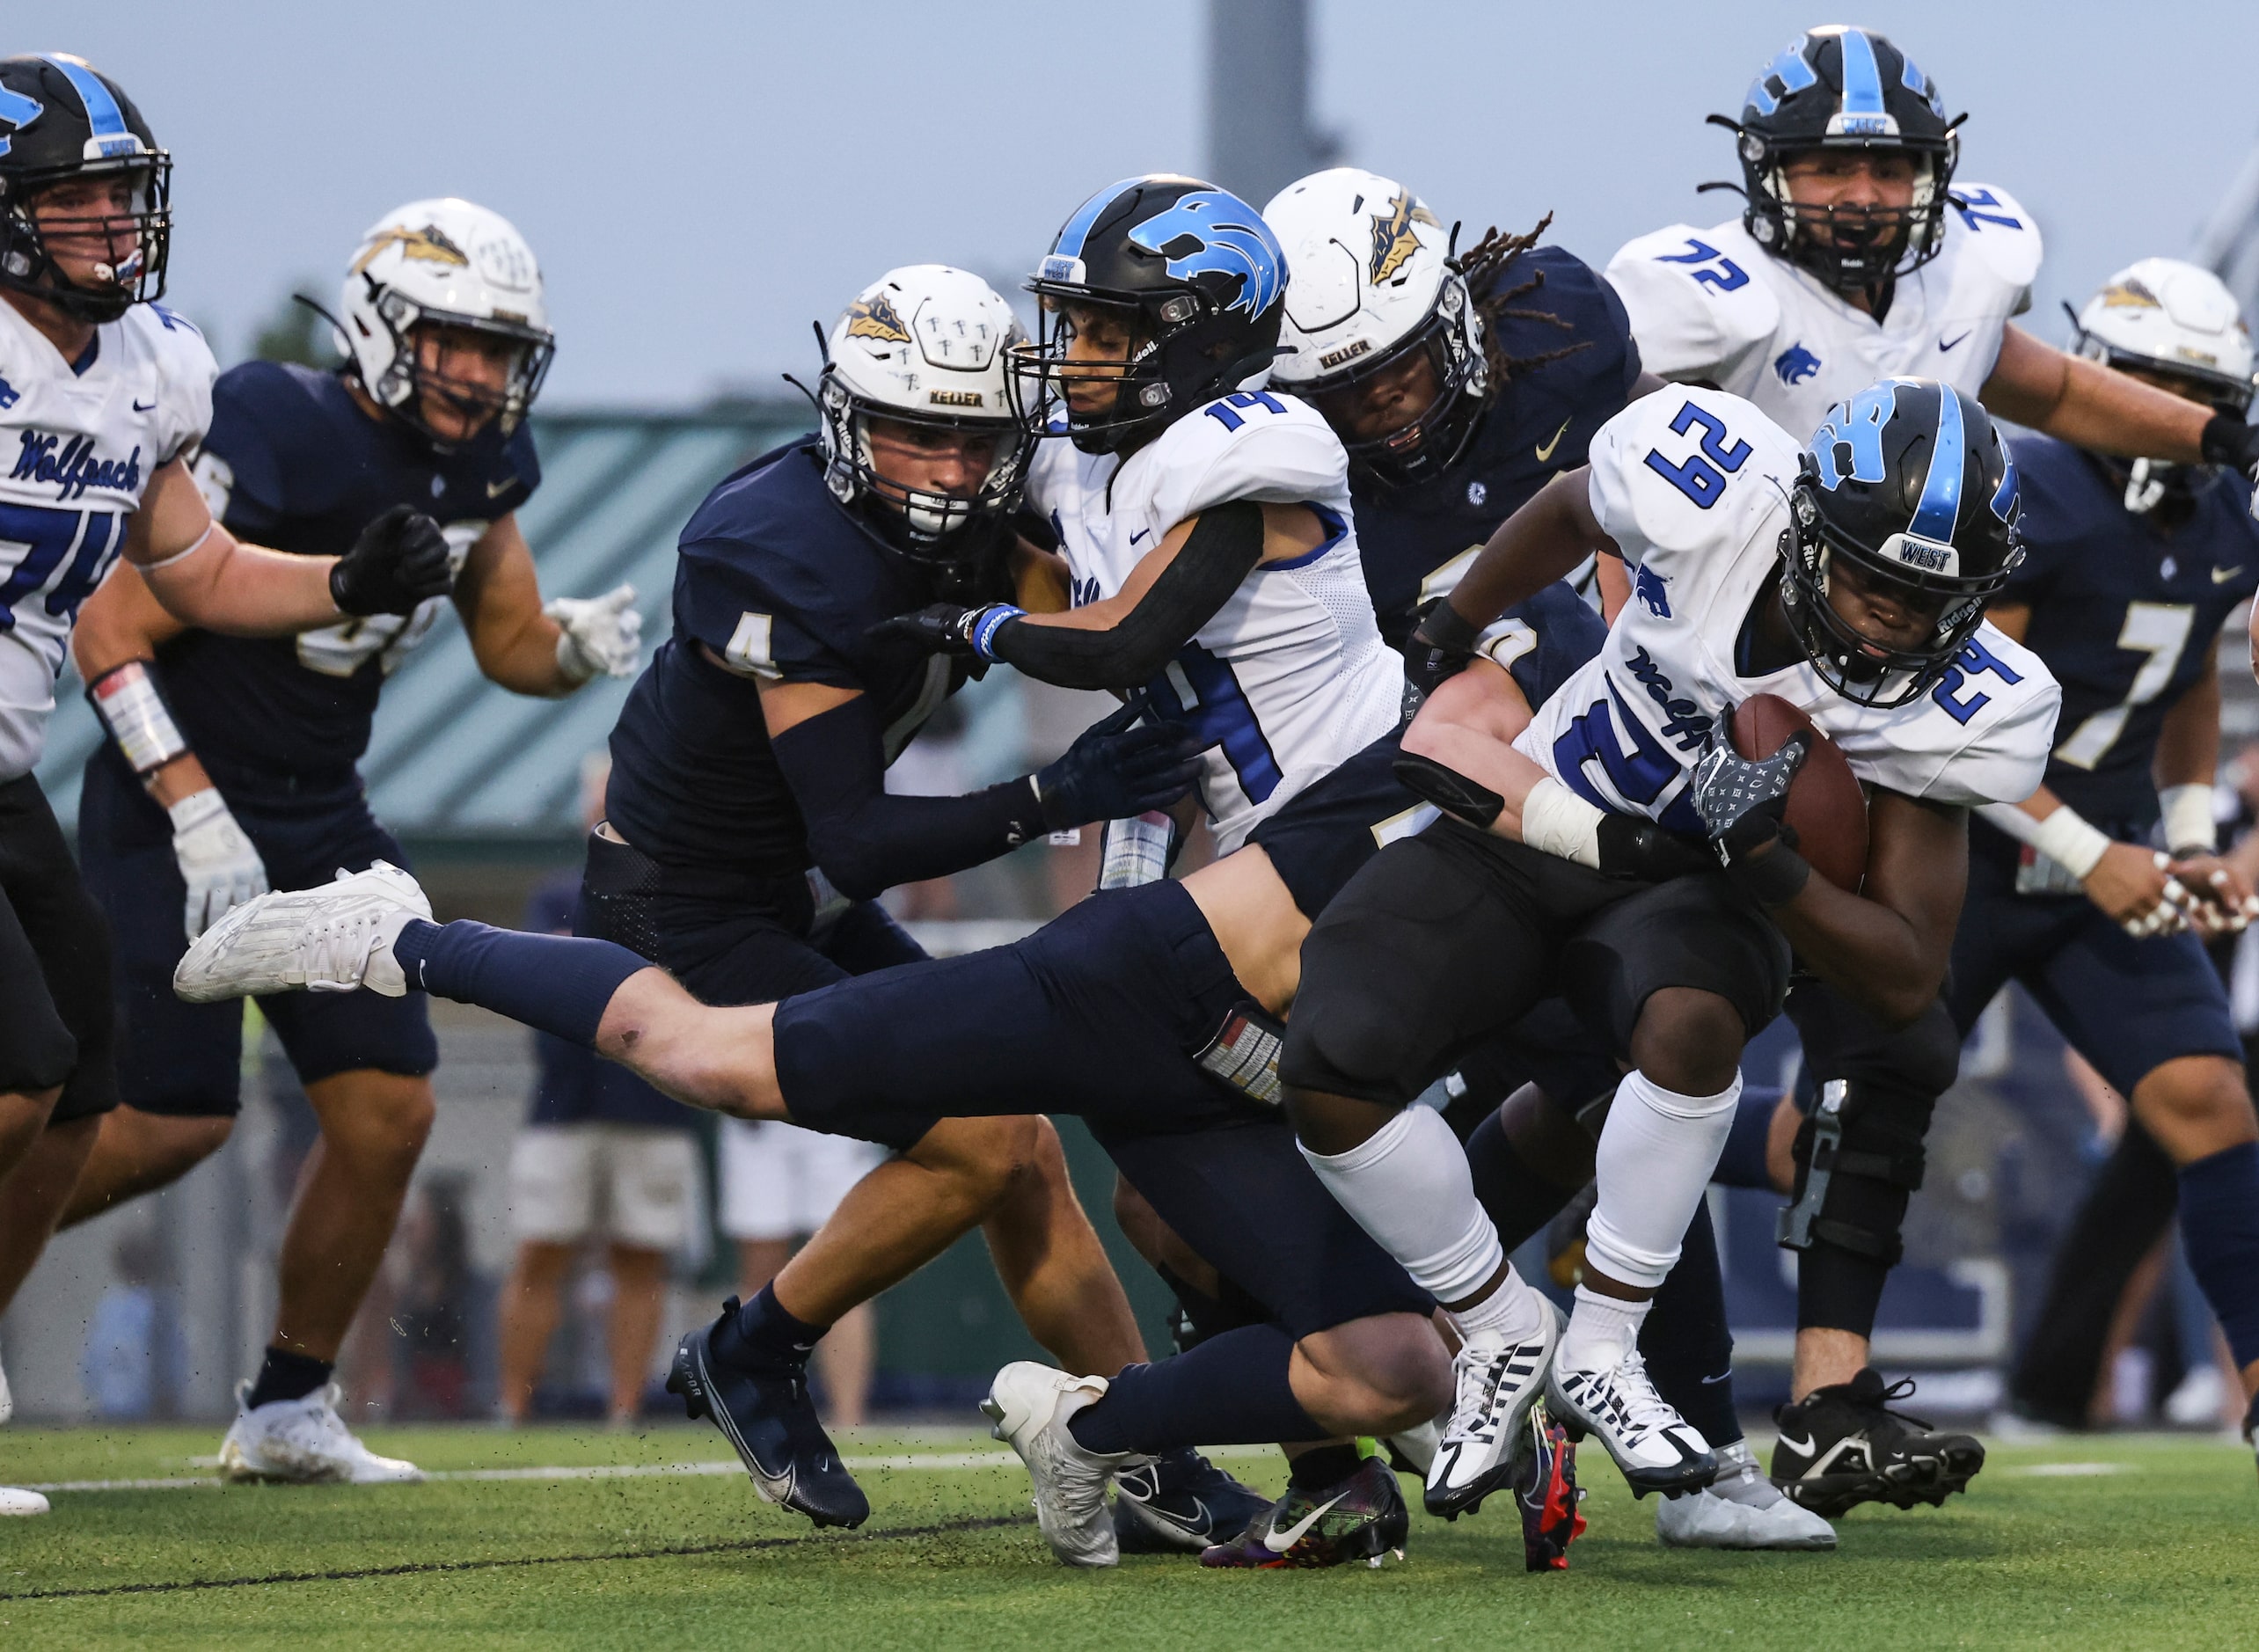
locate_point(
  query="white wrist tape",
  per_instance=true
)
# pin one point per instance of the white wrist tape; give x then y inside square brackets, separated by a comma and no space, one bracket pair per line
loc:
[2190,822]
[2063,836]
[195,809]
[1557,821]
[126,700]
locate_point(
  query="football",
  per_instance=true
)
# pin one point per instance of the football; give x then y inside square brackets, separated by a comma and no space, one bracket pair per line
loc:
[1825,804]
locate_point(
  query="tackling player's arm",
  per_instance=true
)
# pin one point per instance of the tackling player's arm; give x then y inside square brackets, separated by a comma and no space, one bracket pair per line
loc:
[2186,764]
[2093,406]
[531,649]
[1554,529]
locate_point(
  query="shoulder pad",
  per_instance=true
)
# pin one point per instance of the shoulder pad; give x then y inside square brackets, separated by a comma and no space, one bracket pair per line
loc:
[2002,701]
[1699,302]
[185,372]
[1687,470]
[1993,230]
[1263,445]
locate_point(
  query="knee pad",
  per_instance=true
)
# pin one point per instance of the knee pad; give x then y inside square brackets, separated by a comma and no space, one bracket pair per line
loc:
[1859,1159]
[1356,1047]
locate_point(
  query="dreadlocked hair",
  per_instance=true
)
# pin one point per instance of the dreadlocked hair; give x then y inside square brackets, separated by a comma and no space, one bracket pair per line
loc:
[1484,268]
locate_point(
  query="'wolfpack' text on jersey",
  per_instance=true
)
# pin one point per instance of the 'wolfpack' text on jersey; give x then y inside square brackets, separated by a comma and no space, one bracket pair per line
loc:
[1693,485]
[1291,677]
[1713,305]
[79,443]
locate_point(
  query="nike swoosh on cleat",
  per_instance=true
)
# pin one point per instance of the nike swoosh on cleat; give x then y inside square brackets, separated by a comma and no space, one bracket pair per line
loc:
[1202,1522]
[1943,345]
[2221,576]
[1803,1445]
[1546,453]
[1279,1543]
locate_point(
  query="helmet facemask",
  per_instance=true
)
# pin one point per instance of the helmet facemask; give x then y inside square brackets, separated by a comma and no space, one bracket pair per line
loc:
[1176,359]
[1435,438]
[941,530]
[406,382]
[1854,250]
[139,240]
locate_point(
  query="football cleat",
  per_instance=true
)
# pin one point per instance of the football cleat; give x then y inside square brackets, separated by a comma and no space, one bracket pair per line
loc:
[7,1399]
[1740,1509]
[328,940]
[1656,1449]
[14,1500]
[304,1442]
[767,1417]
[1180,1501]
[1842,1445]
[1360,1518]
[1498,1380]
[2251,1426]
[1028,1407]
[1545,1488]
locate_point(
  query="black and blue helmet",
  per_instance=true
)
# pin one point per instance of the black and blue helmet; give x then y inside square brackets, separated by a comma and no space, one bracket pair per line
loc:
[1206,279]
[61,119]
[1909,482]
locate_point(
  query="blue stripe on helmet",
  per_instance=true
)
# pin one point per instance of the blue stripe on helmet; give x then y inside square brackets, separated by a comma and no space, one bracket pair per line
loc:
[1076,231]
[2004,497]
[1862,76]
[104,118]
[18,112]
[1940,502]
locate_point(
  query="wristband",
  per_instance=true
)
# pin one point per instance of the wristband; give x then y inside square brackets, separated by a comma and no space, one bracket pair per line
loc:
[2063,836]
[132,708]
[987,623]
[195,809]
[1557,821]
[2190,824]
[1772,879]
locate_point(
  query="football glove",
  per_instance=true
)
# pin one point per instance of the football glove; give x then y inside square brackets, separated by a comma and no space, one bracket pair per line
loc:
[951,627]
[597,635]
[1743,802]
[217,862]
[1441,644]
[2229,439]
[1118,767]
[400,562]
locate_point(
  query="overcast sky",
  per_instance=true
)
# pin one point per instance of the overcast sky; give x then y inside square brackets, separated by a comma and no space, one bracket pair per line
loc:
[701,180]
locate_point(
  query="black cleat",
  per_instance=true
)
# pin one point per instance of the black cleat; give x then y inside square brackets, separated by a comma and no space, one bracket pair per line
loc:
[1179,1502]
[1545,1491]
[1842,1445]
[1360,1518]
[766,1415]
[2251,1426]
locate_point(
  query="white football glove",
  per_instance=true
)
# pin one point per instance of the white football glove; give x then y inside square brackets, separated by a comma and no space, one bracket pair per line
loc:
[601,635]
[220,867]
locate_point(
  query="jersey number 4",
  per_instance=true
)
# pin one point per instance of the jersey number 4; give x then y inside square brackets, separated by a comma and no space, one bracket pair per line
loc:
[1701,476]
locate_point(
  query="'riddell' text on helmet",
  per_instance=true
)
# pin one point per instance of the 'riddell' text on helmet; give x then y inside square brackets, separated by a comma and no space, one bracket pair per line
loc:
[61,123]
[1838,89]
[1198,281]
[1909,484]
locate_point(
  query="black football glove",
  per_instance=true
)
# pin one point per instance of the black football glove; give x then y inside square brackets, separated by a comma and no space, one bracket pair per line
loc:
[2229,439]
[948,627]
[1634,848]
[399,561]
[1743,802]
[1117,768]
[1441,644]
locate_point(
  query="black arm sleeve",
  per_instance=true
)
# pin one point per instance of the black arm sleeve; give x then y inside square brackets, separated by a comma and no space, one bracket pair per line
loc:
[867,840]
[1226,543]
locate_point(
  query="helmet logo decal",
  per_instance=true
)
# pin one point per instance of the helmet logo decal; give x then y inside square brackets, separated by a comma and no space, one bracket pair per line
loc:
[104,118]
[2130,294]
[430,244]
[1790,70]
[1856,428]
[2004,497]
[1919,83]
[1795,365]
[1940,507]
[1212,231]
[18,112]
[1863,115]
[875,317]
[1393,241]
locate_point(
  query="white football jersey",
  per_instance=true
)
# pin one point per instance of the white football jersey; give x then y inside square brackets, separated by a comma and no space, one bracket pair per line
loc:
[1713,305]
[1290,677]
[77,449]
[1693,485]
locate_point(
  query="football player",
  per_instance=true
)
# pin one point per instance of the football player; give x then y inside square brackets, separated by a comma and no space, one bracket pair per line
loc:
[1848,578]
[1857,256]
[2130,572]
[254,777]
[103,395]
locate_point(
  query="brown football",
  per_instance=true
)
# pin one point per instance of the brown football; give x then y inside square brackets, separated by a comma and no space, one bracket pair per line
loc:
[1825,804]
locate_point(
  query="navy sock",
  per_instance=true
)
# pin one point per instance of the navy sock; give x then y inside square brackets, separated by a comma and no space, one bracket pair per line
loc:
[283,1375]
[762,1336]
[1743,1163]
[555,984]
[1232,1390]
[1327,1465]
[1518,1200]
[1688,1350]
[2219,1230]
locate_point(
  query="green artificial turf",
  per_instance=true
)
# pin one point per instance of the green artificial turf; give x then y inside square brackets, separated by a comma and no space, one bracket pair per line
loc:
[2163,1552]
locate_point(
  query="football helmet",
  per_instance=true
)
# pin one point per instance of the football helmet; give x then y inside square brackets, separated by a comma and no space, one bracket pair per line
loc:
[1203,282]
[1374,282]
[61,119]
[2164,317]
[923,345]
[1909,483]
[454,264]
[1839,87]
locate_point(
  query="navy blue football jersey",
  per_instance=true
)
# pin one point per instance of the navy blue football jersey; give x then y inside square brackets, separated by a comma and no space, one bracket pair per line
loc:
[292,463]
[1416,541]
[2124,613]
[774,577]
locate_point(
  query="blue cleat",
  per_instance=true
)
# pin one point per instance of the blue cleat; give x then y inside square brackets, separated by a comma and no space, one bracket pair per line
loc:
[766,1415]
[1180,1500]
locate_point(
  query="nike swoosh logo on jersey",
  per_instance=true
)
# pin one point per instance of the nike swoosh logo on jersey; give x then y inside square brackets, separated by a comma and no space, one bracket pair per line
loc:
[1140,534]
[495,490]
[1279,1542]
[145,406]
[1803,1445]
[2221,576]
[1545,454]
[1944,344]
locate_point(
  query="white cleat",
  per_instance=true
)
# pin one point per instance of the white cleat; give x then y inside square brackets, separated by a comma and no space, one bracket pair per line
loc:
[1740,1509]
[1027,1407]
[7,1399]
[304,1442]
[16,1501]
[1655,1448]
[1497,1380]
[328,940]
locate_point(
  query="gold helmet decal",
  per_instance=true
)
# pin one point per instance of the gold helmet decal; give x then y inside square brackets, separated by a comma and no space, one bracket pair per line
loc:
[875,317]
[2129,294]
[430,243]
[1392,239]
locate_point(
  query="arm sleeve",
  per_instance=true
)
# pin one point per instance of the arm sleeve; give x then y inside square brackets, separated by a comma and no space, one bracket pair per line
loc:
[867,840]
[1225,546]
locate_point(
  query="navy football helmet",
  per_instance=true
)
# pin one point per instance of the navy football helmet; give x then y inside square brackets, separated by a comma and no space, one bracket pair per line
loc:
[61,120]
[1909,484]
[1198,276]
[1839,88]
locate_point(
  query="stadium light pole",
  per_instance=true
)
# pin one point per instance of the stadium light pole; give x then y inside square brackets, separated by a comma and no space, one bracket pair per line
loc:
[1261,136]
[2228,245]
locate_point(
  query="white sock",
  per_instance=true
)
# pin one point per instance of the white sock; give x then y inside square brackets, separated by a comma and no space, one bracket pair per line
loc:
[1656,1153]
[1513,1312]
[1408,1186]
[1601,1330]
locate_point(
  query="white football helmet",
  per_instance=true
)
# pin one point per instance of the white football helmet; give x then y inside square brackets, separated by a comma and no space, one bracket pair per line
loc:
[452,262]
[2162,316]
[923,345]
[1374,280]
